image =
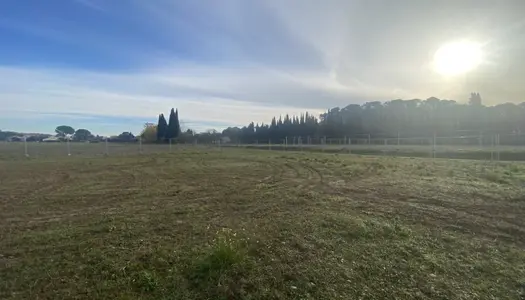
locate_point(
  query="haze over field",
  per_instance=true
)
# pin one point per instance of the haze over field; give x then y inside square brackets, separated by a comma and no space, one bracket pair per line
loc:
[112,65]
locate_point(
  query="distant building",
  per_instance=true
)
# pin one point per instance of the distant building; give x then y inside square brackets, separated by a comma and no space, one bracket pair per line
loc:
[51,139]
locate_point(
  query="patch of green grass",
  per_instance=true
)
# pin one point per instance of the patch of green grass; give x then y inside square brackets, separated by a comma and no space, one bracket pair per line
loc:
[223,254]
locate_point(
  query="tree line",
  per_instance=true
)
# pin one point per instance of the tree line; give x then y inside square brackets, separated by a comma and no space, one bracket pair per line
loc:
[405,118]
[395,118]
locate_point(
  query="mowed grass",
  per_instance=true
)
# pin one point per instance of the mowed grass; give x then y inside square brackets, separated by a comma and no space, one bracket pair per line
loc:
[253,224]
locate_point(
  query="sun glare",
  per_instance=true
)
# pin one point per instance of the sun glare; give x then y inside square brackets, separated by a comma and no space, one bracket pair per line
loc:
[457,58]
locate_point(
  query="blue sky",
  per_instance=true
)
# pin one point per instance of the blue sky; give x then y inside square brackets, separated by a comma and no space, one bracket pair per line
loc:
[111,65]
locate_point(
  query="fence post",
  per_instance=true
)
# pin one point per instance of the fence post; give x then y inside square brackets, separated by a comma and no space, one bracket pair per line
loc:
[492,148]
[398,138]
[170,144]
[497,147]
[140,145]
[107,152]
[68,147]
[368,139]
[434,146]
[25,147]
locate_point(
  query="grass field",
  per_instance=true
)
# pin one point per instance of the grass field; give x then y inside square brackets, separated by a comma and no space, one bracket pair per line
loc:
[253,224]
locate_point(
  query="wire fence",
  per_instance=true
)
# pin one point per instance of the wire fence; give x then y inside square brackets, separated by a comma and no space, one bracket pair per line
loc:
[494,147]
[510,147]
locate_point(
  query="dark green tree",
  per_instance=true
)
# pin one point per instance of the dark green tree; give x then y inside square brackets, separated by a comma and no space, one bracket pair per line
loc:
[177,123]
[173,129]
[162,128]
[82,135]
[62,130]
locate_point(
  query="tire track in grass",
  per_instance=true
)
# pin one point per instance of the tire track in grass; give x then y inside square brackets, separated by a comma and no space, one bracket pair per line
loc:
[48,187]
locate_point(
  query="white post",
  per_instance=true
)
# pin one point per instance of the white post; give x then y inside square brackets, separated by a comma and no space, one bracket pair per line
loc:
[219,142]
[286,143]
[497,146]
[434,146]
[68,149]
[492,148]
[269,144]
[25,147]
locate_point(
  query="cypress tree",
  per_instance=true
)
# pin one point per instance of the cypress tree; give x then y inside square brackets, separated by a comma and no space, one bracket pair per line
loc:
[162,127]
[177,124]
[172,129]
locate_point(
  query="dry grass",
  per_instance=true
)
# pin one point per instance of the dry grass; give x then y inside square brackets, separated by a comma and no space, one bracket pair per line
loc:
[248,224]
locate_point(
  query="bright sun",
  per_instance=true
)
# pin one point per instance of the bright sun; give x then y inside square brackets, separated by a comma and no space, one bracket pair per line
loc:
[457,58]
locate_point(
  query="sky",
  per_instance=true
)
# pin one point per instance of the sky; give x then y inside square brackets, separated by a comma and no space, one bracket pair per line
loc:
[112,65]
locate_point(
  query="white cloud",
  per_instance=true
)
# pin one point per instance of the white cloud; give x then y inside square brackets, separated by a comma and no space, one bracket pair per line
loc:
[33,91]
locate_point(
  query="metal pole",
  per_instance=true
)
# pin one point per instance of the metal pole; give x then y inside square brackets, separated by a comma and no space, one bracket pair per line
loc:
[398,138]
[170,144]
[25,147]
[269,144]
[140,145]
[107,152]
[68,149]
[434,146]
[497,146]
[368,139]
[492,148]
